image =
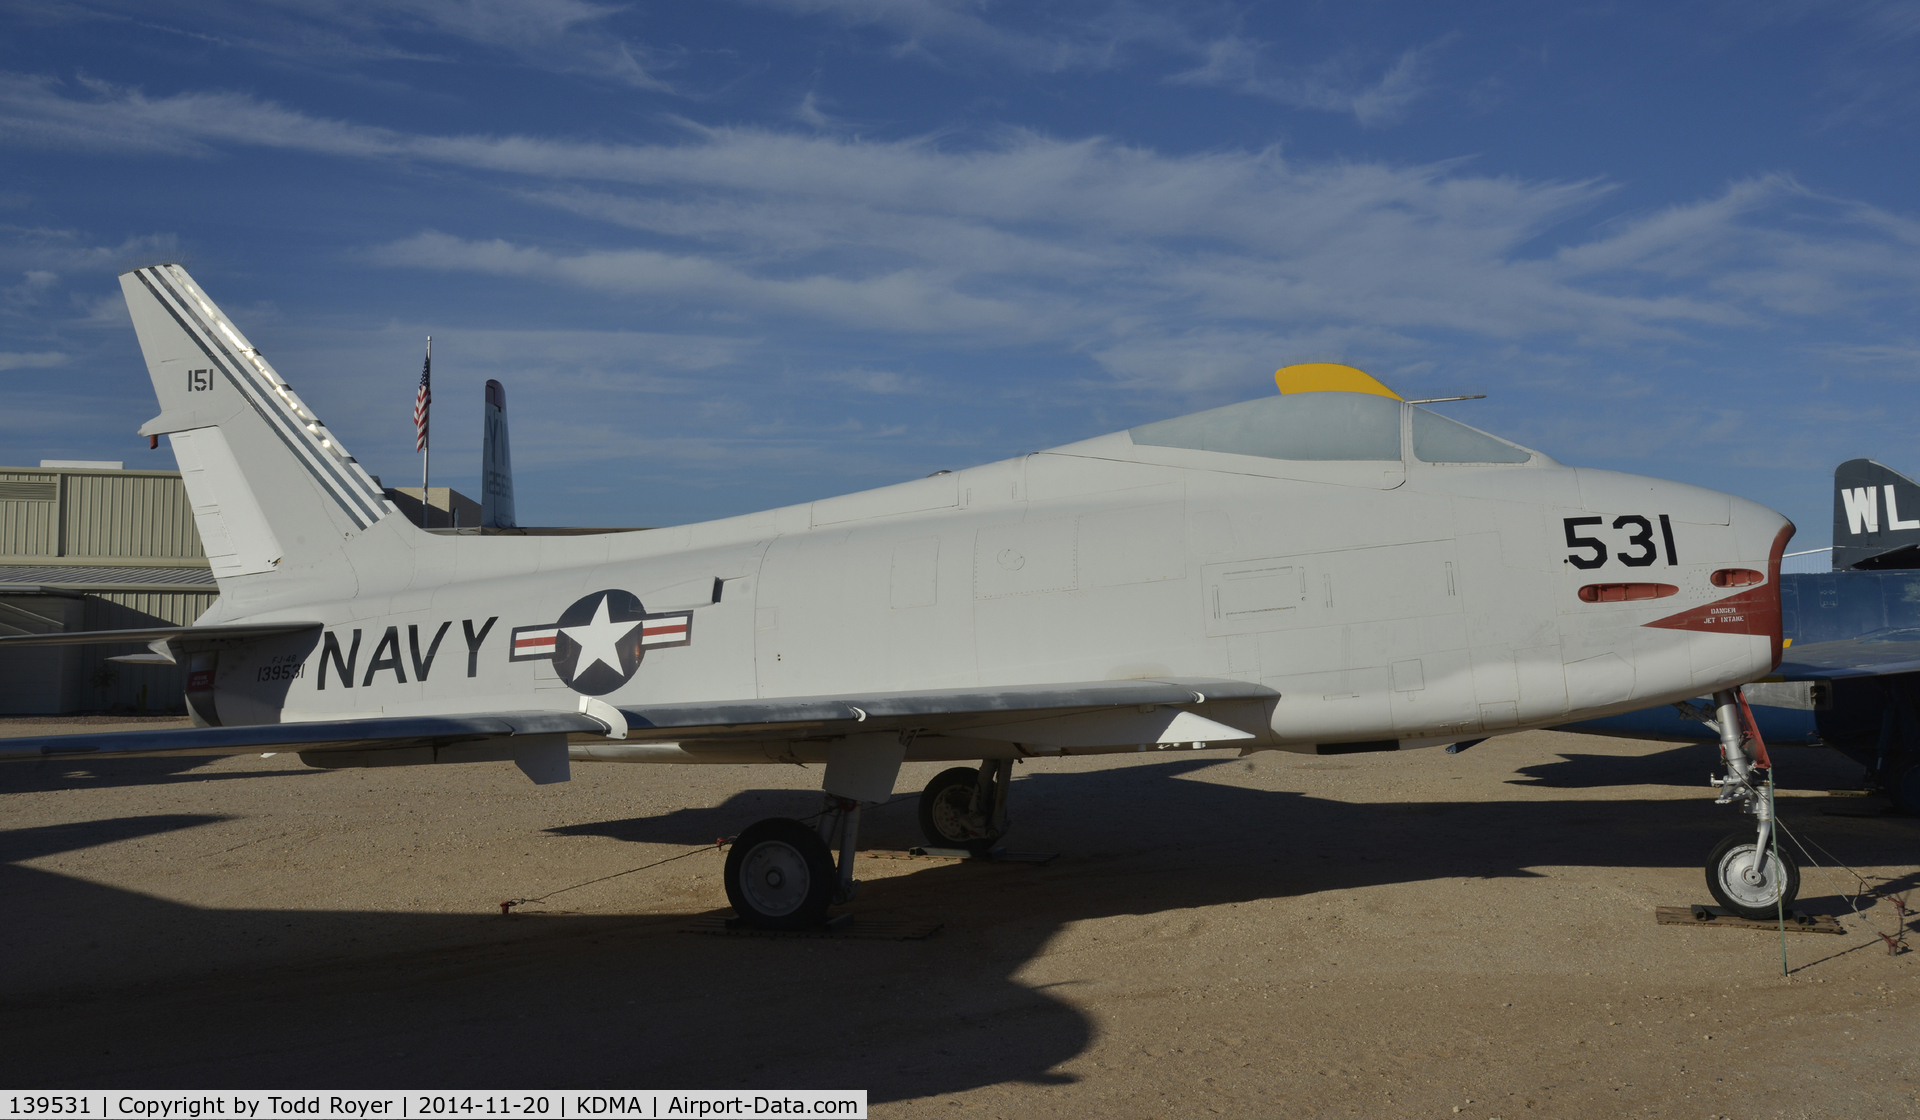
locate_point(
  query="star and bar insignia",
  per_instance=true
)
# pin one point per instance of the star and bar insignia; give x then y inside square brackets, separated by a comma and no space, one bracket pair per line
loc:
[597,645]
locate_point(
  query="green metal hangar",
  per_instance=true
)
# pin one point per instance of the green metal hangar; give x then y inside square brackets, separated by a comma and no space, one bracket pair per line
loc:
[92,546]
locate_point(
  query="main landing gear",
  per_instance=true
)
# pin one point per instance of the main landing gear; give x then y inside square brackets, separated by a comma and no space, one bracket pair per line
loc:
[1748,873]
[967,808]
[781,873]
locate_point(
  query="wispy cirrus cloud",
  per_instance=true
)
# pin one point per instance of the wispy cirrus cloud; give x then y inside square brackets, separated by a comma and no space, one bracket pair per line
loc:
[1190,263]
[1334,85]
[562,36]
[941,28]
[1117,35]
[46,359]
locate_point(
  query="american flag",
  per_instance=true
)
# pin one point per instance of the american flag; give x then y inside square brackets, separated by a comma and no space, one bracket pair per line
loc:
[421,400]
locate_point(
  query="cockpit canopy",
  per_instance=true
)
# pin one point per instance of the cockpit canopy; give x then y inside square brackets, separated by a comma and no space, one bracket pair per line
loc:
[1329,427]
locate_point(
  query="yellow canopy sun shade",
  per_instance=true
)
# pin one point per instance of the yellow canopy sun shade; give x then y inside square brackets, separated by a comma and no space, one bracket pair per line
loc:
[1327,377]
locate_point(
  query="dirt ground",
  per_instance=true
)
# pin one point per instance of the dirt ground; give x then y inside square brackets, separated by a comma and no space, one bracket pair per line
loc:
[1412,934]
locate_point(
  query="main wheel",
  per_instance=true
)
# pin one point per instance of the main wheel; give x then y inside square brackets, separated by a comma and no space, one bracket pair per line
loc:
[780,875]
[1752,887]
[946,817]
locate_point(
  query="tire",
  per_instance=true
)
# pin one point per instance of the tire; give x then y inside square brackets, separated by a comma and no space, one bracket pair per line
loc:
[943,812]
[1733,856]
[780,875]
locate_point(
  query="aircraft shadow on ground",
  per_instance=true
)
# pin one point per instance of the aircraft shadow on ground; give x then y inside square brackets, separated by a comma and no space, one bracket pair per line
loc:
[1689,764]
[21,844]
[446,1001]
[66,772]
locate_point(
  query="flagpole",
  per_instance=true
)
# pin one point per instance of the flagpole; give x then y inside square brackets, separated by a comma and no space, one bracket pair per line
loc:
[426,455]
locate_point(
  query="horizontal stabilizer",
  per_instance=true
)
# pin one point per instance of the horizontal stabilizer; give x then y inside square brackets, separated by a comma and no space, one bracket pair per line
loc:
[159,634]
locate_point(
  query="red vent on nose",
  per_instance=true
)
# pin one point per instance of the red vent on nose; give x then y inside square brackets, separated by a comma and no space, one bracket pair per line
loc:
[1737,577]
[1625,592]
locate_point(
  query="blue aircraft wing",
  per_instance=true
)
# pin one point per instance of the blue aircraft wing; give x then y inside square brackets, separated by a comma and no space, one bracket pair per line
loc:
[1878,654]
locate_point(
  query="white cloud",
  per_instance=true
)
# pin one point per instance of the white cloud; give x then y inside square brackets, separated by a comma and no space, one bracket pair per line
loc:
[1899,360]
[47,260]
[1242,65]
[1104,38]
[1181,271]
[907,299]
[45,360]
[33,287]
[565,36]
[882,381]
[931,27]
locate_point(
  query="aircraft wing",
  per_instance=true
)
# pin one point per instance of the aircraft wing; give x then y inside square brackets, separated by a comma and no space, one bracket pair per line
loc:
[1872,655]
[707,720]
[373,733]
[246,630]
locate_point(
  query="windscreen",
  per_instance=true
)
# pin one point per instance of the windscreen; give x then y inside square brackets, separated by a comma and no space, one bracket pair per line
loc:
[1319,426]
[1439,439]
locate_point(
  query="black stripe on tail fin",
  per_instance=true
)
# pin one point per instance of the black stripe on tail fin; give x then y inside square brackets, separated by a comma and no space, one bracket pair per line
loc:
[266,478]
[1876,517]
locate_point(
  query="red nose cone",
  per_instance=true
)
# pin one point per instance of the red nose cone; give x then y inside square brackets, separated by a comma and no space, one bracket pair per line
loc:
[1755,610]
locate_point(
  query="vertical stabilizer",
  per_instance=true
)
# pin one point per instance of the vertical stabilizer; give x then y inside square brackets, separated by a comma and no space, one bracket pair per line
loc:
[496,463]
[1876,517]
[272,489]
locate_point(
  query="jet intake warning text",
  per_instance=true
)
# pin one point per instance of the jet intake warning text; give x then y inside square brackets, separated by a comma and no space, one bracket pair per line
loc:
[598,1104]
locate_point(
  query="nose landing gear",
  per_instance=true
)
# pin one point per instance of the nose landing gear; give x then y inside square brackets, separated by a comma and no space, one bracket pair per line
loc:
[1748,873]
[1750,880]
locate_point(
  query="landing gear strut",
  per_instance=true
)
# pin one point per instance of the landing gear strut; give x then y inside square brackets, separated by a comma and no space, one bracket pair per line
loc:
[1748,873]
[965,808]
[781,874]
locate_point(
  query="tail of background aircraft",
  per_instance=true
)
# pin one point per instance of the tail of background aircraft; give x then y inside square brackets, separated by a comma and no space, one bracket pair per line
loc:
[496,463]
[272,489]
[1876,517]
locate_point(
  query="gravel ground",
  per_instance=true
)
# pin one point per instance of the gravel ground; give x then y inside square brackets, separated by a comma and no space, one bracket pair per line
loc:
[1414,934]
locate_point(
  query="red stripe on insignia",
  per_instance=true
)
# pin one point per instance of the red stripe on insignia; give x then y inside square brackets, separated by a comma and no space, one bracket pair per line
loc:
[523,643]
[668,627]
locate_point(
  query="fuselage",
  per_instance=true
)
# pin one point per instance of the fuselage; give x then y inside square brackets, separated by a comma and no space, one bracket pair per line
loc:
[1430,588]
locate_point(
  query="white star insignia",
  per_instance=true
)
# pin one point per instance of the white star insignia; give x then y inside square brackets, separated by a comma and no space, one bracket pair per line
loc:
[599,641]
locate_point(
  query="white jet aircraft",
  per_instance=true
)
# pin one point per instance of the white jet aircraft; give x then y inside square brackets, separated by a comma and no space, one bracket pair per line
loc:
[1325,571]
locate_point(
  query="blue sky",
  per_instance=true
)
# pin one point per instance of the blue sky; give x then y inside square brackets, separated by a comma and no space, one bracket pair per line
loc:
[726,256]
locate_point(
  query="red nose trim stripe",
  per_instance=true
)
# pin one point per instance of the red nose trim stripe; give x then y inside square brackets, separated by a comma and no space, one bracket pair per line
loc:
[1755,610]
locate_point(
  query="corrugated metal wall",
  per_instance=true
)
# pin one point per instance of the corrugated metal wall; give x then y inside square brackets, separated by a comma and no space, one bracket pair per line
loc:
[105,515]
[129,515]
[28,528]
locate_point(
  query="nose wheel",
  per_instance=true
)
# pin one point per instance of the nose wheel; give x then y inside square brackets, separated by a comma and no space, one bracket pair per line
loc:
[1752,882]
